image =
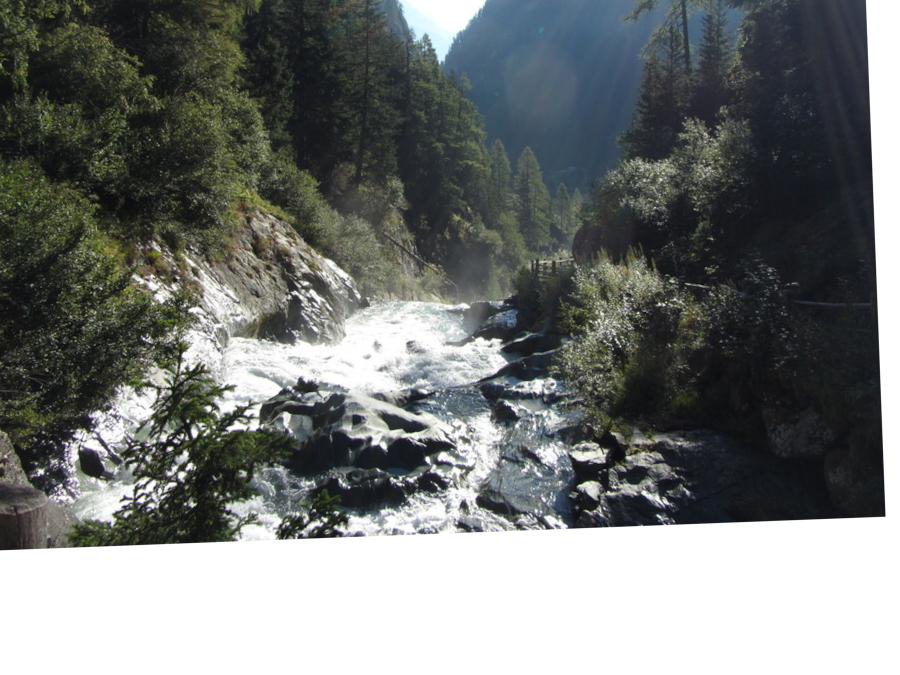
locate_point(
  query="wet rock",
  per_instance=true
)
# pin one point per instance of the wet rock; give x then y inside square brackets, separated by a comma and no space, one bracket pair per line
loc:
[92,463]
[364,489]
[492,390]
[506,412]
[501,326]
[532,343]
[305,386]
[479,312]
[338,429]
[699,477]
[403,399]
[273,285]
[523,484]
[526,369]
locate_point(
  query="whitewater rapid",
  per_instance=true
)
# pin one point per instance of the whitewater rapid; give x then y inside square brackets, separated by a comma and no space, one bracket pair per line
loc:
[389,346]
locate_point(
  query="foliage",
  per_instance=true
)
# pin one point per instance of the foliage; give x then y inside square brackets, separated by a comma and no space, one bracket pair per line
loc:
[320,520]
[296,191]
[663,101]
[712,90]
[757,340]
[632,333]
[62,296]
[190,464]
[645,349]
[684,210]
[78,118]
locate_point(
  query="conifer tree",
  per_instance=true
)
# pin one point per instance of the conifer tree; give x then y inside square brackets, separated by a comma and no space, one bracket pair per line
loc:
[662,102]
[678,15]
[716,52]
[498,190]
[532,202]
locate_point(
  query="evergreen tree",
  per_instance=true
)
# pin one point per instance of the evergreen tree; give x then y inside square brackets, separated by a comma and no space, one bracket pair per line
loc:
[498,190]
[716,53]
[532,202]
[378,55]
[662,102]
[678,15]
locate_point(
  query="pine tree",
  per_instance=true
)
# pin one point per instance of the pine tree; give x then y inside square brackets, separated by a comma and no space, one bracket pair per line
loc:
[662,102]
[532,202]
[716,53]
[678,15]
[499,184]
[378,59]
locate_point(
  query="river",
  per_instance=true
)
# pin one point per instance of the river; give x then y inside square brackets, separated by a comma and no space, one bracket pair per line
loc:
[392,346]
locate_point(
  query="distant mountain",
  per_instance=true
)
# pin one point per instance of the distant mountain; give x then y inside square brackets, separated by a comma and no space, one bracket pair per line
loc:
[440,37]
[558,76]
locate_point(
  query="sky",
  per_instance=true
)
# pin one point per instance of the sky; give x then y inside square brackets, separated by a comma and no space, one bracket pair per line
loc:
[441,19]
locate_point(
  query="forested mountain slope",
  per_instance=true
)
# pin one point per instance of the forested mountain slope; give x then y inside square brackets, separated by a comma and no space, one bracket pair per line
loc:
[559,77]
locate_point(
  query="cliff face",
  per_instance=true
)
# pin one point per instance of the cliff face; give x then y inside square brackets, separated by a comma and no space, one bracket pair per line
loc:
[270,285]
[274,286]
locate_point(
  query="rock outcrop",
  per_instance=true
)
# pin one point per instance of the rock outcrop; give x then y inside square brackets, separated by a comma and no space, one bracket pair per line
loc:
[270,284]
[696,477]
[273,285]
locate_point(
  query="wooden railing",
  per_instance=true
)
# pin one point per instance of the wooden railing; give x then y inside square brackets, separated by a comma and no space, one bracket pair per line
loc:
[544,270]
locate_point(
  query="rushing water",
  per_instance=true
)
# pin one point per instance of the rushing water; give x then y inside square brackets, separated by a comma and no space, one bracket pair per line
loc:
[390,346]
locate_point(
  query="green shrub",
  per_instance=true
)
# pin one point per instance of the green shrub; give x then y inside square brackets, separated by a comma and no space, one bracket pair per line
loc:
[626,357]
[643,348]
[72,325]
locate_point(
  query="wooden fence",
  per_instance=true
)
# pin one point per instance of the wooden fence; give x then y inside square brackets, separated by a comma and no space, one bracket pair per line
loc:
[545,270]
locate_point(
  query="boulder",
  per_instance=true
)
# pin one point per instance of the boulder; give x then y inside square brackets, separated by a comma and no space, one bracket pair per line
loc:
[525,369]
[363,489]
[532,343]
[589,460]
[506,412]
[697,477]
[92,463]
[501,326]
[479,312]
[336,429]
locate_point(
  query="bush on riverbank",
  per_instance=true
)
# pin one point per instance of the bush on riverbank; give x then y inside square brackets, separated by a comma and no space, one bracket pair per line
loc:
[646,349]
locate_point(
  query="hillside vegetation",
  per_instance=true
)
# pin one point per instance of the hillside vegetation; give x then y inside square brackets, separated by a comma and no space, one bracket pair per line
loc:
[741,217]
